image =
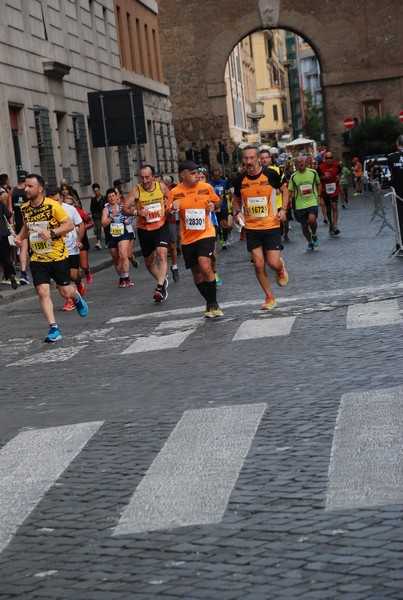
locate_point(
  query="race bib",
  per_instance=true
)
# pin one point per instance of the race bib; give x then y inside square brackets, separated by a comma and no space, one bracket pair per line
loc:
[257,207]
[154,212]
[117,229]
[330,188]
[306,189]
[195,218]
[38,245]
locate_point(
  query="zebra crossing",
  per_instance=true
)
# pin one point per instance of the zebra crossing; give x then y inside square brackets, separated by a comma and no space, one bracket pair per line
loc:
[191,479]
[171,333]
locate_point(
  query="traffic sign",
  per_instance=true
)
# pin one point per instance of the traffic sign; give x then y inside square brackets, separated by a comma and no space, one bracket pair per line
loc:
[401,116]
[349,122]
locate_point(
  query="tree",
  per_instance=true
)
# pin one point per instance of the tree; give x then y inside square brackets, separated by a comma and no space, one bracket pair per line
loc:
[375,136]
[314,124]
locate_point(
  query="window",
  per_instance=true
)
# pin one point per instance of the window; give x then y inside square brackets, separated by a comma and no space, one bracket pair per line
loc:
[81,143]
[45,147]
[275,112]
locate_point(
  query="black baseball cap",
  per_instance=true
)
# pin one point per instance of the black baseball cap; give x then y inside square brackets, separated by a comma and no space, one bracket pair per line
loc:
[187,164]
[22,175]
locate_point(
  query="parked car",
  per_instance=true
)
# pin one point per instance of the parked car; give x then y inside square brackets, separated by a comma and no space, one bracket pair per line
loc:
[382,161]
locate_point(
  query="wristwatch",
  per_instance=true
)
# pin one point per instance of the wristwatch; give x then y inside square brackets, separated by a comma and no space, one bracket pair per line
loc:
[53,235]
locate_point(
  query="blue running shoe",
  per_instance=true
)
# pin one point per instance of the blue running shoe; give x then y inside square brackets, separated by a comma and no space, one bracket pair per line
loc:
[315,241]
[81,306]
[310,248]
[54,335]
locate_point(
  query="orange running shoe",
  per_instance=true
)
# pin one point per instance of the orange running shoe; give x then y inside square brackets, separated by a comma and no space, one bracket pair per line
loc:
[69,305]
[282,275]
[269,303]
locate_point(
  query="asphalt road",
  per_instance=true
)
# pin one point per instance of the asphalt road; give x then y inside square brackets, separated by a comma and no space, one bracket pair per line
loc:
[151,454]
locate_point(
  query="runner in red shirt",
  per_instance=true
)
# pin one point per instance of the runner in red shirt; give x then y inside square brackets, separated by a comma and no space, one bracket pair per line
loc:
[329,173]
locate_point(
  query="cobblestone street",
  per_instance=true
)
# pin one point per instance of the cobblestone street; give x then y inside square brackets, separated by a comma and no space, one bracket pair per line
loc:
[141,403]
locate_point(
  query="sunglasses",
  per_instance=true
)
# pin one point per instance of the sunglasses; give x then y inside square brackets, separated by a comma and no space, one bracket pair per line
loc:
[202,170]
[327,157]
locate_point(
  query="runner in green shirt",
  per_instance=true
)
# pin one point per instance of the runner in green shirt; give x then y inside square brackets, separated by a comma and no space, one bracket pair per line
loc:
[305,187]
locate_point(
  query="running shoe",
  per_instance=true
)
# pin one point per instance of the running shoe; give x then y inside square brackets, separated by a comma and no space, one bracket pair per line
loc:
[69,305]
[315,241]
[310,247]
[88,277]
[166,282]
[24,279]
[81,306]
[14,282]
[325,221]
[5,281]
[81,288]
[98,245]
[343,206]
[134,262]
[336,231]
[175,274]
[224,245]
[128,282]
[217,279]
[209,312]
[216,310]
[282,275]
[121,283]
[54,335]
[160,294]
[269,303]
[286,238]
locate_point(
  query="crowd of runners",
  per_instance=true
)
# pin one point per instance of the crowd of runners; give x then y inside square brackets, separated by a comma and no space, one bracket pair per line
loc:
[193,218]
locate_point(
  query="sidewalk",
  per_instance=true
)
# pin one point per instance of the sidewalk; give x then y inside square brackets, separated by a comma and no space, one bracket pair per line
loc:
[98,261]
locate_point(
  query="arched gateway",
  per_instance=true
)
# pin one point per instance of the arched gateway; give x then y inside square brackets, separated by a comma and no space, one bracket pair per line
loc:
[357,43]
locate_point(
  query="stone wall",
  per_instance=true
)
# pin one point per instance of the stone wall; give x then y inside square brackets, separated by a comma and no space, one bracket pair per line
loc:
[358,46]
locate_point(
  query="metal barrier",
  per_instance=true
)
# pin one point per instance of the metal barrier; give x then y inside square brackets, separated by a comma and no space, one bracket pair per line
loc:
[398,249]
[379,207]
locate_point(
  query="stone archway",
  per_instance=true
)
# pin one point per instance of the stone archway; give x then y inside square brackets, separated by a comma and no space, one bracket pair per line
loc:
[358,46]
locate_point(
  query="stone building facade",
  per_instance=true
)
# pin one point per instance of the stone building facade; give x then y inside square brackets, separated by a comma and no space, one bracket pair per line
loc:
[52,53]
[358,47]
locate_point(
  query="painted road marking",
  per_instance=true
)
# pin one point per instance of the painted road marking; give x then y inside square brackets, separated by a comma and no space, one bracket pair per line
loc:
[321,295]
[162,341]
[29,465]
[372,314]
[365,463]
[53,355]
[262,328]
[191,479]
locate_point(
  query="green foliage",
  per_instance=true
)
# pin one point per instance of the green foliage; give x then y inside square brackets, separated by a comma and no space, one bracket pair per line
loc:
[376,136]
[314,124]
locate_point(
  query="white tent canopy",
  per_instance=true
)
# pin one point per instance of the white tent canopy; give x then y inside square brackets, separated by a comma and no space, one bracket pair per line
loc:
[299,142]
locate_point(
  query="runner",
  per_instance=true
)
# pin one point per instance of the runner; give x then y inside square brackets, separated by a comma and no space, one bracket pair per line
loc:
[73,241]
[45,222]
[255,192]
[117,236]
[195,202]
[329,174]
[147,200]
[305,187]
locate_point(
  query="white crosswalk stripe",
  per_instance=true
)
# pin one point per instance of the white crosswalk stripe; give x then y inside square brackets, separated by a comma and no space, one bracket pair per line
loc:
[261,328]
[373,314]
[30,464]
[60,354]
[366,460]
[163,341]
[191,479]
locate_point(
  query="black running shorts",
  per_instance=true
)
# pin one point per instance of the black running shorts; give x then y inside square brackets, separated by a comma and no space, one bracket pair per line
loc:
[203,247]
[267,239]
[43,272]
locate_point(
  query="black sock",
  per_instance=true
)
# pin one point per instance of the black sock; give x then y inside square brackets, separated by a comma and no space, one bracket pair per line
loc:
[202,289]
[211,292]
[225,234]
